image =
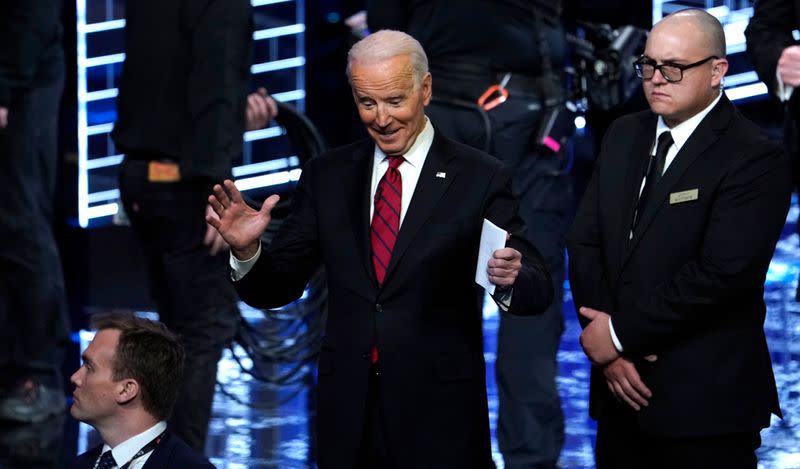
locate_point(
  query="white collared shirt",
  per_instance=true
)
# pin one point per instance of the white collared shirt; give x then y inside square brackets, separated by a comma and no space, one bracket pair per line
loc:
[124,451]
[680,134]
[409,171]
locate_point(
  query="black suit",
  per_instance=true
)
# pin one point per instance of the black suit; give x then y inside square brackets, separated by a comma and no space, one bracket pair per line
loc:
[171,453]
[689,286]
[426,318]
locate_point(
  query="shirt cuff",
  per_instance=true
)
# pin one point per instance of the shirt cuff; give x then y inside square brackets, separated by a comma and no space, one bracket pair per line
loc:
[240,268]
[784,91]
[614,338]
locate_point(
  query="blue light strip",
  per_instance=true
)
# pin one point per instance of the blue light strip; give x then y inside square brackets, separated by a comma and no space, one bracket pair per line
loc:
[746,91]
[101,94]
[263,167]
[260,3]
[278,65]
[287,96]
[104,162]
[267,180]
[102,196]
[280,31]
[103,26]
[269,132]
[101,59]
[741,79]
[83,133]
[100,129]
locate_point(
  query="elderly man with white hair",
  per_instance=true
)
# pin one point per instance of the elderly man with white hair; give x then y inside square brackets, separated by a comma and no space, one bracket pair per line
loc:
[396,221]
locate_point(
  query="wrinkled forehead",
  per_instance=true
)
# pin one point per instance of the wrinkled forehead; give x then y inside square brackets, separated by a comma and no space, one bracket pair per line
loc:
[393,73]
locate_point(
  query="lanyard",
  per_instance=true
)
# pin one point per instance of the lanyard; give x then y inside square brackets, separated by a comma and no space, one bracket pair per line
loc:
[145,449]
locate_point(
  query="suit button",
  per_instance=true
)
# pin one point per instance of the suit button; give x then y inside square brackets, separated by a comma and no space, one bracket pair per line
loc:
[365,356]
[379,308]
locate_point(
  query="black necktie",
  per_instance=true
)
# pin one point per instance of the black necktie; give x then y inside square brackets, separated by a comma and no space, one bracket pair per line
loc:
[655,167]
[106,461]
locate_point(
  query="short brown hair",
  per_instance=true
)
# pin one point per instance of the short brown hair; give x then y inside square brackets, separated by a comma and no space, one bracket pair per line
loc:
[149,353]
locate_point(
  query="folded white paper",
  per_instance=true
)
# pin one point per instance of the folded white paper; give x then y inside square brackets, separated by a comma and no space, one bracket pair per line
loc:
[492,238]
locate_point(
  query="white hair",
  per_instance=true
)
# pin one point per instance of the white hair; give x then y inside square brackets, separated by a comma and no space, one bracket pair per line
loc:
[386,44]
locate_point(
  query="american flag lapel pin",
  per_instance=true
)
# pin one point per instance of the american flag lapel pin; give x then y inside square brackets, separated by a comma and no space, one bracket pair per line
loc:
[441,174]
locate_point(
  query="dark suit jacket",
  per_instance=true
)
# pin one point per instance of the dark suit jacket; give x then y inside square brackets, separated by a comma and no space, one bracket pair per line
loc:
[171,453]
[426,318]
[689,286]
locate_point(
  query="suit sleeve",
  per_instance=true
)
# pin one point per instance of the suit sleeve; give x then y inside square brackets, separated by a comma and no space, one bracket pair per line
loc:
[768,33]
[533,288]
[587,276]
[744,223]
[281,273]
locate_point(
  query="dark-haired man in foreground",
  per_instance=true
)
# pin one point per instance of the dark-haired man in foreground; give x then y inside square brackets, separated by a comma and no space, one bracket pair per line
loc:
[126,389]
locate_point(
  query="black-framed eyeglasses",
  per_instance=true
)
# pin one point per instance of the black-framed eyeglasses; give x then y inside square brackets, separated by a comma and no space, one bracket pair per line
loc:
[646,67]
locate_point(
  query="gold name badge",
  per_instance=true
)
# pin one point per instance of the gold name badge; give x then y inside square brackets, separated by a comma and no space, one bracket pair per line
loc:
[684,196]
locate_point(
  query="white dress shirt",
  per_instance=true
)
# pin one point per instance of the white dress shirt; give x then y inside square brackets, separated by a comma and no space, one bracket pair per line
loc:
[124,451]
[680,134]
[409,171]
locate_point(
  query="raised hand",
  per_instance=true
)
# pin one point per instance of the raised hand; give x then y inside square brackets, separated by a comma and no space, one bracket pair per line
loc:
[238,224]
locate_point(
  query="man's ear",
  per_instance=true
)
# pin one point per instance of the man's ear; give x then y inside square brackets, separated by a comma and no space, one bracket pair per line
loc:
[719,69]
[127,390]
[427,88]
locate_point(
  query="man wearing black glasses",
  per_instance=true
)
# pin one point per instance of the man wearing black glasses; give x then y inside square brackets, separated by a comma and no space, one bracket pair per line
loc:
[668,255]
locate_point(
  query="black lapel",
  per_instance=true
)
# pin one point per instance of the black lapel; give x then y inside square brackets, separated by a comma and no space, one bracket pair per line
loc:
[639,157]
[705,135]
[359,201]
[427,194]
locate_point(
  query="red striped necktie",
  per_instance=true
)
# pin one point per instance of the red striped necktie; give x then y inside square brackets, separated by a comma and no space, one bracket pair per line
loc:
[386,217]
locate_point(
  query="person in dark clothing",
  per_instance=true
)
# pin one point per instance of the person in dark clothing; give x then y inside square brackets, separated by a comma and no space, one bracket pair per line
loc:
[33,319]
[775,54]
[181,115]
[471,45]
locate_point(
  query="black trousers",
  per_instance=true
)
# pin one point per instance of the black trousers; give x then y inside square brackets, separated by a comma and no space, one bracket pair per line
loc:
[530,424]
[621,445]
[191,288]
[33,313]
[373,453]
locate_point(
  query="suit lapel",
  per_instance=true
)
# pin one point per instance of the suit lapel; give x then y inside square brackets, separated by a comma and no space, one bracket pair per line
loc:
[426,196]
[359,200]
[703,137]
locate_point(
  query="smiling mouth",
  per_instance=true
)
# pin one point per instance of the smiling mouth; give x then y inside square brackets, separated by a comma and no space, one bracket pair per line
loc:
[387,133]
